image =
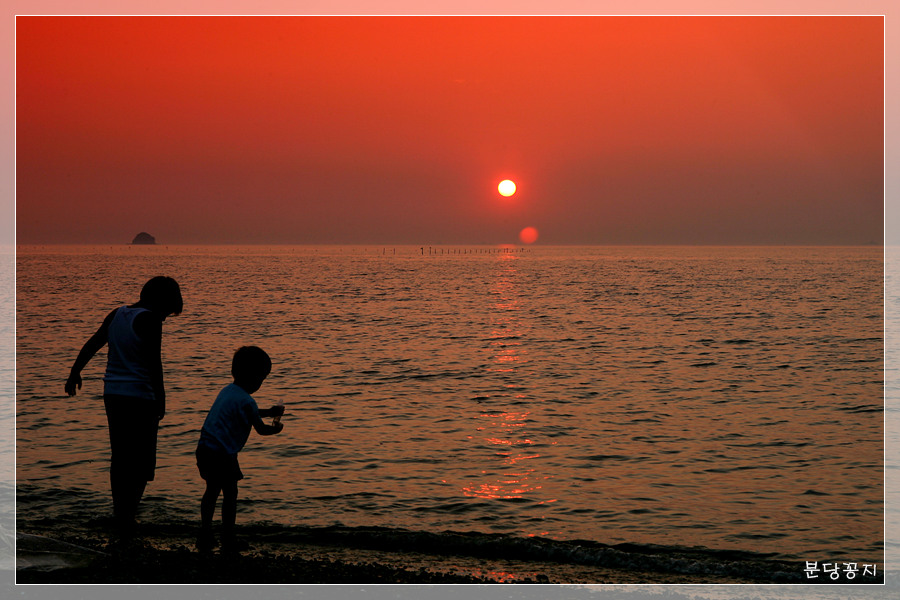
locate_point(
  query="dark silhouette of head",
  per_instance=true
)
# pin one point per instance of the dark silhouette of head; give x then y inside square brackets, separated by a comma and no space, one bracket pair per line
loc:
[250,367]
[162,295]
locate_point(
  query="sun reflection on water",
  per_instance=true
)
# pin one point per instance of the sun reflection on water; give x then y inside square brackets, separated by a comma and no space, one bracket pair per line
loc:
[511,471]
[516,480]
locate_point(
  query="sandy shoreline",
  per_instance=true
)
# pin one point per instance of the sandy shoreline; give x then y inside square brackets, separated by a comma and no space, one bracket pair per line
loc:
[175,560]
[168,555]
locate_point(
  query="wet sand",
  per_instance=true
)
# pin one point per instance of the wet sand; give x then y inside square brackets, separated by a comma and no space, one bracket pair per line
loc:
[168,555]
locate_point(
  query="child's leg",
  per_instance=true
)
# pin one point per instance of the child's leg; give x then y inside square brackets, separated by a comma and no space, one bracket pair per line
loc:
[132,439]
[126,493]
[230,543]
[229,506]
[208,504]
[134,492]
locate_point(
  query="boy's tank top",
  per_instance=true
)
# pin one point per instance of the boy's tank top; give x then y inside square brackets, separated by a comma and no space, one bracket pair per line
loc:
[127,373]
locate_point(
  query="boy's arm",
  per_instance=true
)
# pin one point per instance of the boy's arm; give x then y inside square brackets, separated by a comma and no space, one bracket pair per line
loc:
[260,427]
[275,411]
[90,348]
[263,429]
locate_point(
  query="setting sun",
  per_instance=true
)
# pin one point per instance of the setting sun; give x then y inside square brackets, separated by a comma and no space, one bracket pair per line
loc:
[506,188]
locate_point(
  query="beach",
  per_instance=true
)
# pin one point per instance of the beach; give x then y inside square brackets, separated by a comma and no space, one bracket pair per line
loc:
[168,555]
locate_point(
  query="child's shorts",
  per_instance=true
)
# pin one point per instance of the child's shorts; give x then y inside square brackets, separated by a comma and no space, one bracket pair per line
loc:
[218,466]
[133,423]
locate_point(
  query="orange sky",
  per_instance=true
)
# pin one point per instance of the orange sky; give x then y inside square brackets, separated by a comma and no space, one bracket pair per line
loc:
[398,129]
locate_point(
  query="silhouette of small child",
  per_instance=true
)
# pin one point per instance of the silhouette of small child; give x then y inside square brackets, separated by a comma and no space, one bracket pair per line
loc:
[224,433]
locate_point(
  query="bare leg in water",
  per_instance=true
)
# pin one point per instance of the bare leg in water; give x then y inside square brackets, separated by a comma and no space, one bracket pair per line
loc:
[132,438]
[228,489]
[126,493]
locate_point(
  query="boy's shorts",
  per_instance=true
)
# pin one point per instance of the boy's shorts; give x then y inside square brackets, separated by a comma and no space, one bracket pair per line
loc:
[217,466]
[133,423]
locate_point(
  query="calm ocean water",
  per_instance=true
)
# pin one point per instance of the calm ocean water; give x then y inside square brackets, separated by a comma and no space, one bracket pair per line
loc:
[729,398]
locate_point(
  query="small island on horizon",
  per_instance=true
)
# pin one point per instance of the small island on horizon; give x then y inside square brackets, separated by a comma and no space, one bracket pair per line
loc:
[143,238]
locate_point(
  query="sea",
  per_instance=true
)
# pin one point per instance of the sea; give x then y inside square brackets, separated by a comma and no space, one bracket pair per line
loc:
[572,404]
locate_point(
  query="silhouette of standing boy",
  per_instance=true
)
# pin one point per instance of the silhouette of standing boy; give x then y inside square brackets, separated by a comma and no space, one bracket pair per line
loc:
[133,392]
[224,433]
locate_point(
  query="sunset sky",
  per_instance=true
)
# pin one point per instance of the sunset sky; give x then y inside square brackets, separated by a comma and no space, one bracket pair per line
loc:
[394,130]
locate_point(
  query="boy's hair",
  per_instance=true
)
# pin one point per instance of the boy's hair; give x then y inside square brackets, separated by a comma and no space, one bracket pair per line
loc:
[250,362]
[162,294]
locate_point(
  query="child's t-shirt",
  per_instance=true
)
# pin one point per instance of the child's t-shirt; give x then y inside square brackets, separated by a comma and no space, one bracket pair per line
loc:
[126,371]
[228,424]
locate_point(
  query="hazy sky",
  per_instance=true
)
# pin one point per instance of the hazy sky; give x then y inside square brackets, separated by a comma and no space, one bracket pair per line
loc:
[397,129]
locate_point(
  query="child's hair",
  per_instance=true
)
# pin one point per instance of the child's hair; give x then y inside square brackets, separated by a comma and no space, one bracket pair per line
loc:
[162,294]
[250,362]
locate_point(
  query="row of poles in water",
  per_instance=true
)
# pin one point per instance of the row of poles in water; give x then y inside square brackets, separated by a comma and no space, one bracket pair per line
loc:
[438,251]
[471,251]
[431,250]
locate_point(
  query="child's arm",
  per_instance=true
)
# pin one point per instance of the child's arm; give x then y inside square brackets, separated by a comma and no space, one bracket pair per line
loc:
[275,411]
[263,429]
[254,416]
[90,348]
